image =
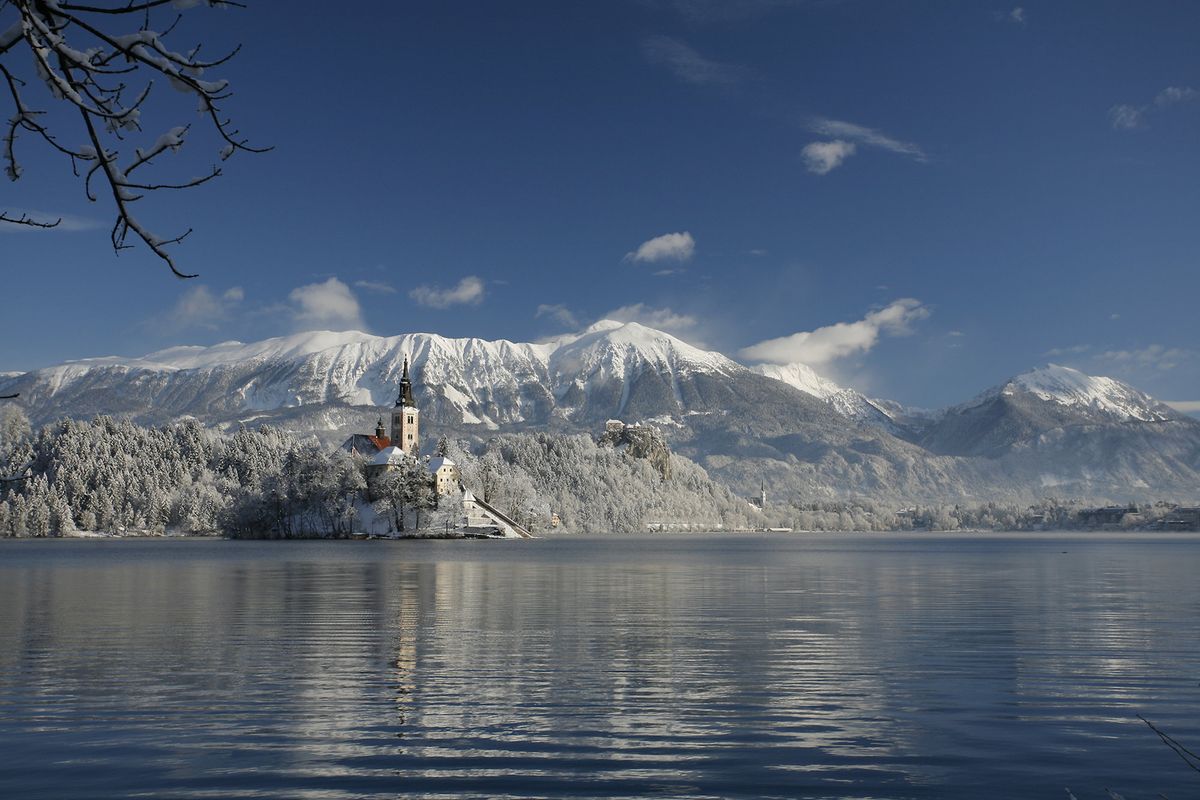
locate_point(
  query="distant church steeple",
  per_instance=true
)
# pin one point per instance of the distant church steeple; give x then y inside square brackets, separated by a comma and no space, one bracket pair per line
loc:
[379,429]
[406,394]
[762,495]
[406,417]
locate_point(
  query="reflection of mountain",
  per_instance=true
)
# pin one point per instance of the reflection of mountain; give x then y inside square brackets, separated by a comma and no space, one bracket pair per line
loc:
[1049,431]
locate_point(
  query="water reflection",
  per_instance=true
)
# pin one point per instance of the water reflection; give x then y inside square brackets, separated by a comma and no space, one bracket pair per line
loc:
[756,667]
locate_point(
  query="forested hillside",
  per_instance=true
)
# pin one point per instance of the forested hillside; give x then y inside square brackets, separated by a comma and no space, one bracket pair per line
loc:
[113,475]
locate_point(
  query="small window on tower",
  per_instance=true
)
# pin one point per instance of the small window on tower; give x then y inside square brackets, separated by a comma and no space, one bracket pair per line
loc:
[410,419]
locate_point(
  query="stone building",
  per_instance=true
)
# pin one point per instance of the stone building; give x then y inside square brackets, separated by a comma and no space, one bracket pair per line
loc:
[386,453]
[446,476]
[406,417]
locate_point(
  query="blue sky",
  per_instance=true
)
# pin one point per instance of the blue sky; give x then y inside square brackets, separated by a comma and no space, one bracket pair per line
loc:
[940,194]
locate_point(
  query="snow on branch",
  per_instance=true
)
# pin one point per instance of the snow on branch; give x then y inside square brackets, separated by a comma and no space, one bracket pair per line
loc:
[25,219]
[20,475]
[107,76]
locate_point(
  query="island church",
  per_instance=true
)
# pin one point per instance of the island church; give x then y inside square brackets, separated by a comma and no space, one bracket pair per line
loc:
[404,444]
[389,452]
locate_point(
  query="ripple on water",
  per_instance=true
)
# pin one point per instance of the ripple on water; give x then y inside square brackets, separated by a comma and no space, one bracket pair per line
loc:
[732,666]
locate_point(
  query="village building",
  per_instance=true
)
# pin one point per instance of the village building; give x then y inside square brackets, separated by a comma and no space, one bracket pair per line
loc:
[445,475]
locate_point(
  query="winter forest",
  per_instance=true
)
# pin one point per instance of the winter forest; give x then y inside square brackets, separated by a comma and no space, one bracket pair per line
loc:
[113,476]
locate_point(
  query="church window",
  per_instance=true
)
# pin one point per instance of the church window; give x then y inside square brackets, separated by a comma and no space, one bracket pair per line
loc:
[410,419]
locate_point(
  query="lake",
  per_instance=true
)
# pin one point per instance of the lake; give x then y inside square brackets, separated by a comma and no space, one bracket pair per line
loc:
[786,665]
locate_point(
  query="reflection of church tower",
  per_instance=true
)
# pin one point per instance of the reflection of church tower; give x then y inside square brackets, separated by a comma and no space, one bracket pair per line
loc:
[406,417]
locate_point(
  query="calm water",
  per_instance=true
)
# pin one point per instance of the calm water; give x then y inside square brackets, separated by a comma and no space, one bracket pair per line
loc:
[701,666]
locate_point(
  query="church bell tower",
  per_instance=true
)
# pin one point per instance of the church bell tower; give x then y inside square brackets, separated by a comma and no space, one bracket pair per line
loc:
[406,417]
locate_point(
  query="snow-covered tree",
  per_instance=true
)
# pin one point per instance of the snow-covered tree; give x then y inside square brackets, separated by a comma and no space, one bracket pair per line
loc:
[97,63]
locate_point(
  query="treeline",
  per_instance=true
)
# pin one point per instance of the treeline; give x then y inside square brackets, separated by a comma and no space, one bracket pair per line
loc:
[592,488]
[114,476]
[1049,514]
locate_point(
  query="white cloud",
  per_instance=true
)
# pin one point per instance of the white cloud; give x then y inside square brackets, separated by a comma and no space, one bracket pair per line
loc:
[821,157]
[375,286]
[839,340]
[1017,15]
[668,247]
[869,137]
[1175,94]
[200,307]
[1074,350]
[663,319]
[1153,357]
[469,291]
[329,305]
[688,65]
[559,313]
[1126,117]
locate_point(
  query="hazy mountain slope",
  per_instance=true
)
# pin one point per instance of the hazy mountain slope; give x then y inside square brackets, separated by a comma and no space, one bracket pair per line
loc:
[848,402]
[1036,402]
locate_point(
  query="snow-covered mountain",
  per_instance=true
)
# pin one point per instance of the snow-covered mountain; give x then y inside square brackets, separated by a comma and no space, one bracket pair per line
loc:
[1052,430]
[1105,396]
[850,403]
[1029,405]
[609,369]
[803,377]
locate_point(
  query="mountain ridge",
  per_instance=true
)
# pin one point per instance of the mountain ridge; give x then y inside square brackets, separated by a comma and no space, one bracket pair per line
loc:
[1015,439]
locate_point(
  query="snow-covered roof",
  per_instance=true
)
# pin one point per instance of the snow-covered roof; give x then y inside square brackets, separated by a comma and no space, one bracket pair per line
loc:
[390,457]
[437,462]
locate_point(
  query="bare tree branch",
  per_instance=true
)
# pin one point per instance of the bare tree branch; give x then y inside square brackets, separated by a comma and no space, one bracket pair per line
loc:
[24,219]
[82,75]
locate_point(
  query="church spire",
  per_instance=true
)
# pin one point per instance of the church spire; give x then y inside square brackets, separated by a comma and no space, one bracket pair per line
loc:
[406,393]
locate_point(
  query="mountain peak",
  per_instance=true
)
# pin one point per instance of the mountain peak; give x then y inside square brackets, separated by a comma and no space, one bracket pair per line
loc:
[802,377]
[1070,387]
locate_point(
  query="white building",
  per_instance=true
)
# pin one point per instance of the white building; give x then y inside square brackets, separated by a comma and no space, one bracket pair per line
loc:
[446,475]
